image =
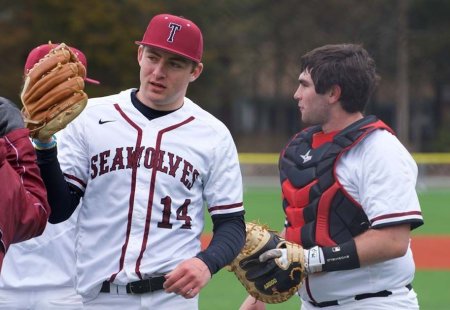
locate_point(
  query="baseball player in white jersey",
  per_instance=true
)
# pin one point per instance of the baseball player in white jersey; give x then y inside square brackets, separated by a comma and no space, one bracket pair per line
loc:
[348,189]
[40,273]
[146,163]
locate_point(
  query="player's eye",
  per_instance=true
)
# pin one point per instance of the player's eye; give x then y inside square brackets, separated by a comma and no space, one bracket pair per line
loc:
[177,64]
[153,58]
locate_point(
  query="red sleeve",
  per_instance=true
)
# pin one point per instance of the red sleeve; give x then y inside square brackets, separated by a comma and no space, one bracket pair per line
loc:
[24,209]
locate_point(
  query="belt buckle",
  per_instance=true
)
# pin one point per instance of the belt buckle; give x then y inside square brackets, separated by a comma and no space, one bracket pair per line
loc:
[139,287]
[130,288]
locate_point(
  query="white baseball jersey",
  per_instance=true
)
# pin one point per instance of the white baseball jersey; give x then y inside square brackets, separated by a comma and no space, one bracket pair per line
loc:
[144,184]
[380,174]
[41,270]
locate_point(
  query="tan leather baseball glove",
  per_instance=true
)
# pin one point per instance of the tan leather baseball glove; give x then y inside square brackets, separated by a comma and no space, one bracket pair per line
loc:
[270,268]
[53,94]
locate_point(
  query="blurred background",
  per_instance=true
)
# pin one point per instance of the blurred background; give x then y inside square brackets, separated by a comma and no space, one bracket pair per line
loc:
[252,52]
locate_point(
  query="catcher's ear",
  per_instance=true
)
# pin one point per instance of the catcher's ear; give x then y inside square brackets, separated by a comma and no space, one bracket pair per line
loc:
[334,94]
[196,72]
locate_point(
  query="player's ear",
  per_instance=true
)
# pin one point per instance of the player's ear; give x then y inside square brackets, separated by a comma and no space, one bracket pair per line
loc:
[334,94]
[140,53]
[197,70]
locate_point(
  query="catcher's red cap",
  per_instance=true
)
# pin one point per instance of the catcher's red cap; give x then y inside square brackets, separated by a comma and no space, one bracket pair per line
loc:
[40,51]
[176,35]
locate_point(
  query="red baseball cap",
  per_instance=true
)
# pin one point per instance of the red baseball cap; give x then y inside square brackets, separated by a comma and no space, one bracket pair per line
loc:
[175,35]
[40,51]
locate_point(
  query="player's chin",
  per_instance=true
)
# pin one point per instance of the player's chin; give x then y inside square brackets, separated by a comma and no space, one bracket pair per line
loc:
[157,99]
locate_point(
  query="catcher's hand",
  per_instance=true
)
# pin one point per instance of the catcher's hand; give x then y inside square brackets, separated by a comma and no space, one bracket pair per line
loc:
[270,268]
[52,94]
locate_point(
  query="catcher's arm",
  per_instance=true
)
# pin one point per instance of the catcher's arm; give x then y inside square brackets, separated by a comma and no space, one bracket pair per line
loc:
[368,248]
[318,259]
[377,245]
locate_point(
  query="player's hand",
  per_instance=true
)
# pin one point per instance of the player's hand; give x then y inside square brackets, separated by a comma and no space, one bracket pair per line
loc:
[251,303]
[188,278]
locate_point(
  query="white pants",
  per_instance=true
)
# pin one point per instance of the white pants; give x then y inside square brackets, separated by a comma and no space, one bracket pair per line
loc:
[40,299]
[159,300]
[404,299]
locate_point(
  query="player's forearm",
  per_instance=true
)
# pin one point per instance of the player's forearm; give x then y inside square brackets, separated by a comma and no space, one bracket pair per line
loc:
[227,241]
[378,245]
[62,200]
[371,247]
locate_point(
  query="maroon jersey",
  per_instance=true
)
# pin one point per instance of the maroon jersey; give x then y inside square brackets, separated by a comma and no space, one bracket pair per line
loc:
[24,209]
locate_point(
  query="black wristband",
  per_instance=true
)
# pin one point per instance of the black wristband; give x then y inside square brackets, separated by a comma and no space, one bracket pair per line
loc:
[341,257]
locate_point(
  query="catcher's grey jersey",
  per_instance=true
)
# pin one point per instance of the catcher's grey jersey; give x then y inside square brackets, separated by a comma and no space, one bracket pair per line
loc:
[144,183]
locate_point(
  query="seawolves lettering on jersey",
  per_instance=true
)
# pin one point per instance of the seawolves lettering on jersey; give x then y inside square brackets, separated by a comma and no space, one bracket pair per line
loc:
[130,157]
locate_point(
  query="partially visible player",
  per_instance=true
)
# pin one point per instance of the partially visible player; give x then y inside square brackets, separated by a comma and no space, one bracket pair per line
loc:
[348,189]
[40,273]
[146,164]
[24,209]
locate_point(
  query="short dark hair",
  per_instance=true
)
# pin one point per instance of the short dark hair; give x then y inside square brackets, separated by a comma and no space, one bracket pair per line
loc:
[347,65]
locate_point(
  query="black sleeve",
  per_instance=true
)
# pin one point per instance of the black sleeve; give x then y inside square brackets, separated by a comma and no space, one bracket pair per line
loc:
[62,196]
[226,243]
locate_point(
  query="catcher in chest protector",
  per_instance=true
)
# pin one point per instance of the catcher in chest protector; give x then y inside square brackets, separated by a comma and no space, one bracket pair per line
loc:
[270,268]
[340,192]
[53,92]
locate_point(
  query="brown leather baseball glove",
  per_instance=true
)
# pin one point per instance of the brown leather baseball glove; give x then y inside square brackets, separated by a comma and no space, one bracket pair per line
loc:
[52,94]
[270,268]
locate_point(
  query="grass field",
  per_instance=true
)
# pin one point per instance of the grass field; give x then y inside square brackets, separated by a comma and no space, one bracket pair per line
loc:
[224,291]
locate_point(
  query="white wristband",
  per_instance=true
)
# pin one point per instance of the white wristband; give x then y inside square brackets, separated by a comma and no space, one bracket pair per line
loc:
[314,259]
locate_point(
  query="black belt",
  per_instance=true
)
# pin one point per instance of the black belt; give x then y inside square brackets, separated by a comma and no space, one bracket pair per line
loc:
[138,287]
[384,293]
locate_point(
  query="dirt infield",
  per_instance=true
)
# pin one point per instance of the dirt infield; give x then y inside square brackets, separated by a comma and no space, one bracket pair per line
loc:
[430,252]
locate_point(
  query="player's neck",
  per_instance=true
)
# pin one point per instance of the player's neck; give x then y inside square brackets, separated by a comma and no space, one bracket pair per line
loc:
[341,120]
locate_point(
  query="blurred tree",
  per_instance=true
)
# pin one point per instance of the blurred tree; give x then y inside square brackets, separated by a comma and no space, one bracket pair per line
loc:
[252,51]
[430,43]
[403,104]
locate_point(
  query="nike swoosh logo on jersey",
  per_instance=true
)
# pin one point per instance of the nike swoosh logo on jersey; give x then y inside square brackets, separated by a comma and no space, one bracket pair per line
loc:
[104,122]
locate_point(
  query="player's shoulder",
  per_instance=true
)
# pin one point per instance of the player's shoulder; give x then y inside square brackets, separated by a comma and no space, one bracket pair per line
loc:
[381,139]
[382,145]
[109,100]
[205,117]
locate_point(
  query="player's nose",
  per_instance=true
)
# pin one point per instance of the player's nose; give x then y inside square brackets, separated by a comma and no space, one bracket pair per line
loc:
[159,70]
[297,94]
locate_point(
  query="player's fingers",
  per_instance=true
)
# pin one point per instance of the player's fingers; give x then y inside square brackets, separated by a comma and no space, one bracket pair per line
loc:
[173,278]
[177,283]
[191,293]
[190,274]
